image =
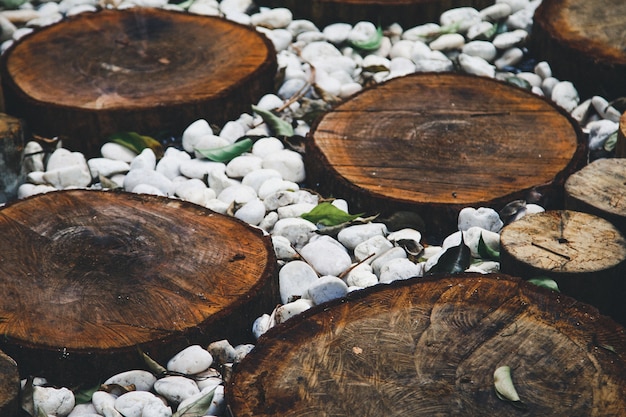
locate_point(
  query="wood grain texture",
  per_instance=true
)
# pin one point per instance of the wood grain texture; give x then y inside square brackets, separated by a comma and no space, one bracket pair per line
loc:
[429,348]
[436,143]
[145,70]
[89,276]
[9,386]
[584,42]
[600,189]
[407,13]
[584,253]
[620,147]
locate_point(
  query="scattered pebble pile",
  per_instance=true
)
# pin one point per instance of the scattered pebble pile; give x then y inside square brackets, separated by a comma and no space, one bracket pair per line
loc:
[265,186]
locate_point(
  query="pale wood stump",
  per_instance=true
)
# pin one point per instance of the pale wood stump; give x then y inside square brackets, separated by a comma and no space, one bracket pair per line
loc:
[583,253]
[436,143]
[87,277]
[430,347]
[584,43]
[144,70]
[407,13]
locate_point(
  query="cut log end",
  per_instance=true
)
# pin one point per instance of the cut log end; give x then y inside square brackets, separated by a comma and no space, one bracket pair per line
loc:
[430,347]
[145,70]
[90,276]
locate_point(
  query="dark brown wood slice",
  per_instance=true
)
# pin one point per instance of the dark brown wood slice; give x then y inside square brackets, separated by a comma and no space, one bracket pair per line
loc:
[430,348]
[145,70]
[88,276]
[407,13]
[584,43]
[9,386]
[436,143]
[583,253]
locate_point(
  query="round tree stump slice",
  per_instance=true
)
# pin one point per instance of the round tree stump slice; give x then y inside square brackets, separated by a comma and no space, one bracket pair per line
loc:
[88,276]
[583,253]
[600,189]
[584,43]
[144,70]
[620,146]
[9,386]
[407,13]
[430,347]
[438,142]
[11,148]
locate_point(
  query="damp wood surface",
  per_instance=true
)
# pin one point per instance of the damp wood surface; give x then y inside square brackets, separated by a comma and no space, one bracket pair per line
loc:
[430,348]
[436,143]
[585,254]
[143,69]
[584,42]
[9,386]
[408,13]
[89,276]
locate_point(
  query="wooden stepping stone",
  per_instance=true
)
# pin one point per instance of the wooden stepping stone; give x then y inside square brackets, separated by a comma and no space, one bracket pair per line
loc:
[584,43]
[408,13]
[144,70]
[600,189]
[583,253]
[9,386]
[87,277]
[436,143]
[430,348]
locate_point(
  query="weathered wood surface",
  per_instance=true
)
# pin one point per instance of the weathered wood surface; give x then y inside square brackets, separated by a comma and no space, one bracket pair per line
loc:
[407,13]
[620,147]
[435,143]
[88,276]
[9,386]
[583,253]
[11,148]
[144,70]
[584,43]
[600,189]
[430,347]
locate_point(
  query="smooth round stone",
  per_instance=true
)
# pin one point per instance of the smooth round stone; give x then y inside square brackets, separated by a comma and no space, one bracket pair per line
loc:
[400,268]
[352,236]
[251,212]
[239,194]
[273,186]
[337,33]
[317,50]
[484,217]
[257,177]
[142,380]
[482,49]
[308,37]
[62,158]
[326,256]
[242,165]
[288,163]
[548,84]
[464,17]
[511,57]
[522,19]
[207,142]
[132,404]
[290,88]
[294,210]
[176,388]
[234,130]
[401,66]
[374,61]
[515,5]
[36,177]
[362,276]
[599,132]
[476,65]
[58,402]
[405,234]
[299,26]
[68,177]
[267,146]
[327,288]
[421,32]
[27,190]
[327,83]
[287,311]
[147,189]
[280,38]
[508,40]
[349,89]
[270,102]
[200,168]
[33,157]
[145,160]
[279,17]
[371,248]
[605,110]
[6,29]
[393,253]
[169,166]
[19,33]
[218,180]
[495,12]
[294,279]
[84,410]
[283,249]
[479,31]
[297,231]
[194,132]
[362,32]
[533,79]
[221,351]
[148,177]
[434,65]
[191,360]
[104,403]
[472,238]
[238,6]
[447,42]
[401,48]
[565,95]
[543,69]
[277,199]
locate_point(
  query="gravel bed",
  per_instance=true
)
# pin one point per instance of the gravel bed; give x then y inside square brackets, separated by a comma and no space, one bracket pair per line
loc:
[266,185]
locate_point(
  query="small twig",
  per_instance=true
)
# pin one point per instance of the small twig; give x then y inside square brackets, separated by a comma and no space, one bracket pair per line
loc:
[551,251]
[501,113]
[300,93]
[347,271]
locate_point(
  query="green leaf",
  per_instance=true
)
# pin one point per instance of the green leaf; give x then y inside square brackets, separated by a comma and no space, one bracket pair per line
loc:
[485,251]
[153,366]
[11,4]
[611,142]
[455,260]
[328,215]
[137,143]
[545,282]
[279,126]
[226,153]
[198,408]
[186,4]
[84,396]
[519,82]
[371,44]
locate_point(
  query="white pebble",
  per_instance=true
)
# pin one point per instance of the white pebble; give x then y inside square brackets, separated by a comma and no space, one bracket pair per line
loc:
[147,189]
[283,248]
[218,180]
[482,49]
[287,311]
[548,84]
[242,165]
[142,380]
[362,276]
[495,12]
[599,132]
[288,163]
[176,388]
[148,177]
[510,57]
[479,30]
[27,190]
[132,404]
[399,268]
[58,402]
[194,132]
[191,360]
[251,212]
[279,17]
[484,217]
[464,17]
[326,256]
[107,167]
[533,79]
[297,231]
[294,210]
[393,253]
[118,152]
[565,95]
[337,32]
[294,279]
[104,403]
[70,176]
[239,194]
[266,146]
[372,248]
[543,70]
[509,40]
[352,236]
[476,65]
[605,110]
[447,42]
[421,32]
[327,288]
